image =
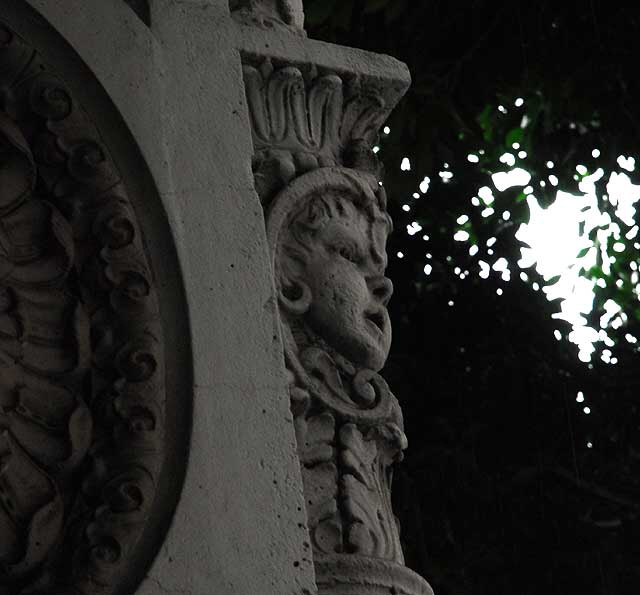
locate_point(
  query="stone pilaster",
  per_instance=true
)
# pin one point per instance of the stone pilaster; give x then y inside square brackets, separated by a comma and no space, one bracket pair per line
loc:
[315,116]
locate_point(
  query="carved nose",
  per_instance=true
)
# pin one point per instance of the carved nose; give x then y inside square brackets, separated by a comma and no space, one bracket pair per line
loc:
[382,289]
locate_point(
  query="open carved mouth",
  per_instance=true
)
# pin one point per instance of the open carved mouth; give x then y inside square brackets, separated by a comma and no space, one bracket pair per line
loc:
[377,318]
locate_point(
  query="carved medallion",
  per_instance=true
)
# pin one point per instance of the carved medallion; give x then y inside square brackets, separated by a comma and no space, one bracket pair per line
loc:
[82,381]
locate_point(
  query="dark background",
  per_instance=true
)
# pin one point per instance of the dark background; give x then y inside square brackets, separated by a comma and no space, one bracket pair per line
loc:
[499,493]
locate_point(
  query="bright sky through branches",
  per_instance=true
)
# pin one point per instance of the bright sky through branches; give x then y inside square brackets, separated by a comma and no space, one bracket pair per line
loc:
[560,247]
[572,243]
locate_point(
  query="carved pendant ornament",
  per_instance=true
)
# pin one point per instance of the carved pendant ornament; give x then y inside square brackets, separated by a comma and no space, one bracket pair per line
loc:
[81,351]
[327,227]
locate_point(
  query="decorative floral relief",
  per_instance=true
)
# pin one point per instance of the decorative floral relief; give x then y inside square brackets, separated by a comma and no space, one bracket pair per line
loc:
[81,354]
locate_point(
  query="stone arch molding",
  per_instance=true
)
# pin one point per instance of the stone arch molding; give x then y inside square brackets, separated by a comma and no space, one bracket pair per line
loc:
[83,396]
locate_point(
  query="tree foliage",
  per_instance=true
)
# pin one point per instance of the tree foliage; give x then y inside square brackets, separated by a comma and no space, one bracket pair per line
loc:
[508,487]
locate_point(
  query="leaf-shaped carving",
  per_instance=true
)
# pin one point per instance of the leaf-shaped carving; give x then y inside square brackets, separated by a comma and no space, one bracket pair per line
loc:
[321,492]
[302,120]
[366,496]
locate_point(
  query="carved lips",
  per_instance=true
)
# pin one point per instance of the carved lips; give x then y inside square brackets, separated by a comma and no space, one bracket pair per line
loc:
[379,319]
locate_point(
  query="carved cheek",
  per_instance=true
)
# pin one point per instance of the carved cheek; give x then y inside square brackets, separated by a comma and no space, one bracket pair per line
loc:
[339,298]
[349,290]
[387,334]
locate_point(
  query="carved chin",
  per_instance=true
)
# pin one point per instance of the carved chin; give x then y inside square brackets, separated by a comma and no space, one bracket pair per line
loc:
[372,348]
[376,358]
[365,345]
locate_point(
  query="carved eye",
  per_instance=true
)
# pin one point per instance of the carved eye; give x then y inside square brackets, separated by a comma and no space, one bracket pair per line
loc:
[347,252]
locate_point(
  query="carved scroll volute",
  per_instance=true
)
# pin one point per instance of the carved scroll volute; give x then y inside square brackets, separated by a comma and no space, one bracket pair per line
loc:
[82,396]
[327,231]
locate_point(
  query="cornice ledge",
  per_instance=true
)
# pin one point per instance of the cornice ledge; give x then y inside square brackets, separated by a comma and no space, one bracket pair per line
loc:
[322,106]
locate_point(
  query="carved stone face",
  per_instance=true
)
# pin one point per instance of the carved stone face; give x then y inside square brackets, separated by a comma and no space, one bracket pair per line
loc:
[349,292]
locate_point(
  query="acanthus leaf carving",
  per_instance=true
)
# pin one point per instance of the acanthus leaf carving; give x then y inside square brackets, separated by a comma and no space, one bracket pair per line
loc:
[303,119]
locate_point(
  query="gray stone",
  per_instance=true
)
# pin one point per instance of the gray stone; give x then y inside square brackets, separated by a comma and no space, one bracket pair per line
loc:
[207,240]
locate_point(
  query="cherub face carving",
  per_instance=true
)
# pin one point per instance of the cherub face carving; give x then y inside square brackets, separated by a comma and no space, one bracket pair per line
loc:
[339,264]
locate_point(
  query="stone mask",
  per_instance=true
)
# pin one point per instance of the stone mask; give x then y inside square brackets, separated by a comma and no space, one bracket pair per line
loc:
[330,268]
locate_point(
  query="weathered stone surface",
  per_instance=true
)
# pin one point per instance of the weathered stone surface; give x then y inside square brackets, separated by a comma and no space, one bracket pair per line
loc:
[356,575]
[142,9]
